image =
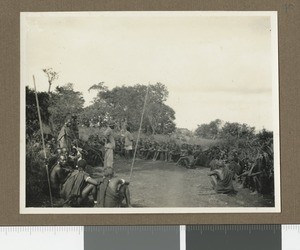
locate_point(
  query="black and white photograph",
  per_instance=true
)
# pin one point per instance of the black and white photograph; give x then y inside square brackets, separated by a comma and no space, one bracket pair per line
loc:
[149,112]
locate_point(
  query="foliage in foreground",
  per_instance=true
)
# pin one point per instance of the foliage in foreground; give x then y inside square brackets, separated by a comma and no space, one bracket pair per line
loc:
[36,177]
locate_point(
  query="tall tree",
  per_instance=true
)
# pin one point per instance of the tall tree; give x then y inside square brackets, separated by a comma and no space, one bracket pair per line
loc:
[65,102]
[160,118]
[209,131]
[125,103]
[236,130]
[32,122]
[52,76]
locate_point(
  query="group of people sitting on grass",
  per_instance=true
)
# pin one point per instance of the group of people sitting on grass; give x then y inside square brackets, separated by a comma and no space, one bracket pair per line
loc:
[247,172]
[70,182]
[225,166]
[183,155]
[254,174]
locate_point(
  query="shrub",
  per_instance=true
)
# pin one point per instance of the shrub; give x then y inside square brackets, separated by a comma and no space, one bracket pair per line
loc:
[36,177]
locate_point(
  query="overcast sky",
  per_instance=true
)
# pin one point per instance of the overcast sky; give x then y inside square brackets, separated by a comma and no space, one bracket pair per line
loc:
[213,66]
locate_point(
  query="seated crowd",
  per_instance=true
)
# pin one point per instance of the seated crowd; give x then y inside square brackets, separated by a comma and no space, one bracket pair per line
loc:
[70,181]
[76,188]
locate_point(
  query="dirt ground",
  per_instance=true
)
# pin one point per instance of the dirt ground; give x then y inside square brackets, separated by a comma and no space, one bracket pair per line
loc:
[162,184]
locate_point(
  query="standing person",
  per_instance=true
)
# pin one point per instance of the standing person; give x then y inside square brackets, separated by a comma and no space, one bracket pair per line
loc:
[109,146]
[128,143]
[64,138]
[74,127]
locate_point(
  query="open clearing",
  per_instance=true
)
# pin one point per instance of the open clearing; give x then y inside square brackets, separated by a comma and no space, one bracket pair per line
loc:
[162,184]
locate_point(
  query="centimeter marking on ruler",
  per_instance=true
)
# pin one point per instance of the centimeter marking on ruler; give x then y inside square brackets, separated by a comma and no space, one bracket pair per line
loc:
[41,229]
[79,236]
[156,228]
[291,227]
[236,228]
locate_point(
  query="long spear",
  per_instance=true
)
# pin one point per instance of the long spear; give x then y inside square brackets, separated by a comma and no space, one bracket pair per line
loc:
[44,148]
[138,137]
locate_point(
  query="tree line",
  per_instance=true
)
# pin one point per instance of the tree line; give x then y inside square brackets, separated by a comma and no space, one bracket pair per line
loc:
[229,130]
[123,105]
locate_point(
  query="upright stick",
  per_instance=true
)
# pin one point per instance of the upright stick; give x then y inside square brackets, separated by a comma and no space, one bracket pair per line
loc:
[138,138]
[43,141]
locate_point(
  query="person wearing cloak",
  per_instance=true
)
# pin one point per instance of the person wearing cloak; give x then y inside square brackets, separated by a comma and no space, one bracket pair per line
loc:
[128,138]
[64,138]
[109,146]
[78,186]
[222,179]
[112,191]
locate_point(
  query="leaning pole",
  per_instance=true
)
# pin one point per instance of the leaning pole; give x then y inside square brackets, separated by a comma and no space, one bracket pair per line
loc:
[43,141]
[139,133]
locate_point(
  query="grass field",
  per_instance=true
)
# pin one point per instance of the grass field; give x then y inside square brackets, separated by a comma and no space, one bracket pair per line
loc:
[161,184]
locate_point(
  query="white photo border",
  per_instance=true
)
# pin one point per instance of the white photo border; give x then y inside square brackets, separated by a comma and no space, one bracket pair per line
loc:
[164,210]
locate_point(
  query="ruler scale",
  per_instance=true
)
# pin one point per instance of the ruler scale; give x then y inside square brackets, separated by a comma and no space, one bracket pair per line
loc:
[234,237]
[190,237]
[132,237]
[290,237]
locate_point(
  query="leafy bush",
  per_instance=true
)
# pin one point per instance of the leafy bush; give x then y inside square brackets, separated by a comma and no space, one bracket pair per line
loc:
[36,177]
